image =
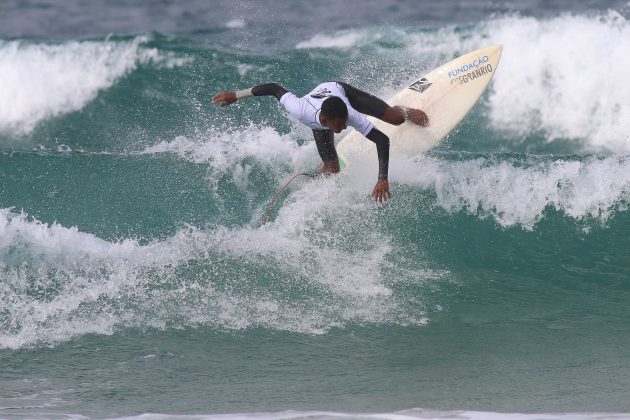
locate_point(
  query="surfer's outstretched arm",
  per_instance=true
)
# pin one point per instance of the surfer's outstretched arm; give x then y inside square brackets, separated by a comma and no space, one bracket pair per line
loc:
[381,190]
[269,89]
[228,97]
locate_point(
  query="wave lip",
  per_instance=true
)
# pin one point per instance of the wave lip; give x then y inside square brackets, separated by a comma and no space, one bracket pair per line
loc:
[59,283]
[40,80]
[517,194]
[566,77]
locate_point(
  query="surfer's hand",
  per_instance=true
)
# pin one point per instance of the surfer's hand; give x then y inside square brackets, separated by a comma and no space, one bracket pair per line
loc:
[381,191]
[224,98]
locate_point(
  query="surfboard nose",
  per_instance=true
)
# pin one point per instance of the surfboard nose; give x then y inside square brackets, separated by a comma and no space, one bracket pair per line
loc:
[499,48]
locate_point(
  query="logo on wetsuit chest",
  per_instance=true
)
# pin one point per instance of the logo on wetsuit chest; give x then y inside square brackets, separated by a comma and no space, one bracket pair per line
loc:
[321,93]
[421,85]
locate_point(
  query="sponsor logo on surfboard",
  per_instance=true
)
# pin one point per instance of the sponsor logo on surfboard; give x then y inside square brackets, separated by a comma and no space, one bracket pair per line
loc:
[465,78]
[420,85]
[468,66]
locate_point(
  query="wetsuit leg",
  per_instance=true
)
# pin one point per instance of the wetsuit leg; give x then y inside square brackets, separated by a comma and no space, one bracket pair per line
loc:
[364,102]
[325,141]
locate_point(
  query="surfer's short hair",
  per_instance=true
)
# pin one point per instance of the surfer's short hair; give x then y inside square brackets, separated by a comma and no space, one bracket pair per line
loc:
[334,107]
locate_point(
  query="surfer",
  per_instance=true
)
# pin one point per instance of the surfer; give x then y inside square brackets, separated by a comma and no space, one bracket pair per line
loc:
[330,108]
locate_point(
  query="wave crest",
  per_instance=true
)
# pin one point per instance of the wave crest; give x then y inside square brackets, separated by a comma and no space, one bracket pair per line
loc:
[40,81]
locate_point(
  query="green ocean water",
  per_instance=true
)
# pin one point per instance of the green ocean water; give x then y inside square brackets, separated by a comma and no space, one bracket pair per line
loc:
[135,278]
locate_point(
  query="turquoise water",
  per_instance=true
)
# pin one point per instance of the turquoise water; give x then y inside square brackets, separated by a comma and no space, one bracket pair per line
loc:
[134,275]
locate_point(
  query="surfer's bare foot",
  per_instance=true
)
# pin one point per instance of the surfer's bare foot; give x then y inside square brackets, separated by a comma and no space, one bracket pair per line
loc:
[399,114]
[417,116]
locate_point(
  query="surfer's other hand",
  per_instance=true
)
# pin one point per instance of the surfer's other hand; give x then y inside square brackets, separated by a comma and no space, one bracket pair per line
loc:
[224,98]
[381,191]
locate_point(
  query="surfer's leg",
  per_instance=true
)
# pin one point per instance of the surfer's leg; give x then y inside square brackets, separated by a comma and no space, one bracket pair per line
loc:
[364,102]
[325,142]
[369,104]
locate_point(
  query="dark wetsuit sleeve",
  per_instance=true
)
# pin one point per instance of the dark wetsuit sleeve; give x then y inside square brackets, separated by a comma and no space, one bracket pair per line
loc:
[269,89]
[325,142]
[382,148]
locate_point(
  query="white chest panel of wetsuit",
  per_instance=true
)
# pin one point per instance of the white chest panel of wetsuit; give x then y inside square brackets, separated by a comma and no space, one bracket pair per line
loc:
[307,108]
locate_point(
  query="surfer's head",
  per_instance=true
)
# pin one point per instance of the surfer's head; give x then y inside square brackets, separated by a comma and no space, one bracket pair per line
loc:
[334,114]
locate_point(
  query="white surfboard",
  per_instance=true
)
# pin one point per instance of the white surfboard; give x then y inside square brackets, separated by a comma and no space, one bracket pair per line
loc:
[446,95]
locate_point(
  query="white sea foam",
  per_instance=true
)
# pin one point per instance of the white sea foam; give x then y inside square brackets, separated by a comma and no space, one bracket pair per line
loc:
[38,81]
[235,152]
[514,195]
[35,256]
[565,76]
[235,24]
[225,149]
[342,39]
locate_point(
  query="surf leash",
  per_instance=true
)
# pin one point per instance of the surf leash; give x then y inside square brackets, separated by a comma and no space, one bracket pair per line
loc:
[275,197]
